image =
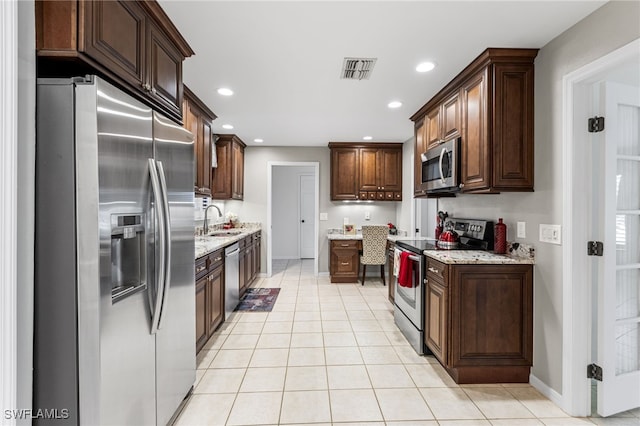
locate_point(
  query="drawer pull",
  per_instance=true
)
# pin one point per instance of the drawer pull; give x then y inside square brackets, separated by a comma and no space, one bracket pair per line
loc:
[344,245]
[434,270]
[345,263]
[217,259]
[201,268]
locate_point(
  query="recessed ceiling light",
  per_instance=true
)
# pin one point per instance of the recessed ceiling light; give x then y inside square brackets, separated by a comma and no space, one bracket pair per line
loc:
[258,140]
[367,138]
[425,66]
[394,104]
[225,92]
[227,126]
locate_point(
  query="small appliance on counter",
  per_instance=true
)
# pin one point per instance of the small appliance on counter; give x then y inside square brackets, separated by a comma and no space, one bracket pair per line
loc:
[448,239]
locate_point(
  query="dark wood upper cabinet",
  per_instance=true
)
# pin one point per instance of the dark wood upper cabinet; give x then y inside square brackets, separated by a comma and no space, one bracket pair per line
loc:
[419,147]
[165,69]
[369,169]
[390,172]
[366,171]
[237,180]
[116,37]
[450,122]
[474,155]
[131,43]
[490,105]
[344,174]
[198,120]
[432,127]
[228,178]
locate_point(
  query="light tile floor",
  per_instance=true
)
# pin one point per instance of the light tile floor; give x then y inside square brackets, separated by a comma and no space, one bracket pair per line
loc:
[331,354]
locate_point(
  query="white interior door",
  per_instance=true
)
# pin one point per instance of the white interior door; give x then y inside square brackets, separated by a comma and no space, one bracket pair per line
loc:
[307,216]
[618,271]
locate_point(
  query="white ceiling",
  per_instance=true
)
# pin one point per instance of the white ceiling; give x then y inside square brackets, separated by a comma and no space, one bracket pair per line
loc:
[283,59]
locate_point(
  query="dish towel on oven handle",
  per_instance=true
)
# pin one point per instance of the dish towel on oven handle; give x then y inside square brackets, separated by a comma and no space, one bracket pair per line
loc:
[396,262]
[406,268]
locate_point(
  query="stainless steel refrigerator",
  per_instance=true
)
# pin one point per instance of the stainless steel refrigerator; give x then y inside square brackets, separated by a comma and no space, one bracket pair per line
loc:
[114,318]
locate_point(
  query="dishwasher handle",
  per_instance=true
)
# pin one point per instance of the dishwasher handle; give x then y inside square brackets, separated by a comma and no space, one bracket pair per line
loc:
[233,253]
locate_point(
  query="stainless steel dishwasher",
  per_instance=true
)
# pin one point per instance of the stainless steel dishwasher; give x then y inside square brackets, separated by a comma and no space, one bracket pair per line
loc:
[231,278]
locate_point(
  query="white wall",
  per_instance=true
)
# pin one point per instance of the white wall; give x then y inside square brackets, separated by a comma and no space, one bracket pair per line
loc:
[612,26]
[403,209]
[285,204]
[254,206]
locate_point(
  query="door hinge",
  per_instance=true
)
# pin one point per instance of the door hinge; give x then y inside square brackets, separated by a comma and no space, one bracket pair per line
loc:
[594,371]
[595,248]
[596,124]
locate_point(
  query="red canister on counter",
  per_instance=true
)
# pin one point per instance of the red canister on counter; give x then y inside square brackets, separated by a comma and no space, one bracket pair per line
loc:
[500,240]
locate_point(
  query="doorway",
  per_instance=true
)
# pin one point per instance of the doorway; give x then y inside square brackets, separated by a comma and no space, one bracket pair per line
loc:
[602,290]
[293,210]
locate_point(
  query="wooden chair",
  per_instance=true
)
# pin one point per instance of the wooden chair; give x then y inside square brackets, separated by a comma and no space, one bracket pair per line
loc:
[374,248]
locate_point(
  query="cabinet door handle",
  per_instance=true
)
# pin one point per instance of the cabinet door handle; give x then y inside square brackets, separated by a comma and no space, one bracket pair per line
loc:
[345,263]
[426,281]
[382,187]
[434,270]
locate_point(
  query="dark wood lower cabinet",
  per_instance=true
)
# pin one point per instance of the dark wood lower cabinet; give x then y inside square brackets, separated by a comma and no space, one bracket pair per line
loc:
[250,258]
[201,313]
[344,260]
[479,321]
[209,296]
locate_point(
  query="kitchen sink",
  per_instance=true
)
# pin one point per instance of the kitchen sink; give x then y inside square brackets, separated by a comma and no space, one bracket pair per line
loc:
[225,233]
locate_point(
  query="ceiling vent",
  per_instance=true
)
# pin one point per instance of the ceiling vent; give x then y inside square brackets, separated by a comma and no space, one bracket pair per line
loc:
[357,68]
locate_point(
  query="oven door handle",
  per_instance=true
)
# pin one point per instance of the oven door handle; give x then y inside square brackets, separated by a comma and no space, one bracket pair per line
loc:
[415,258]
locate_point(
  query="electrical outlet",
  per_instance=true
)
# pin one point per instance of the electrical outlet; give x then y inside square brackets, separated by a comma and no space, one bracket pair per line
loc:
[324,216]
[551,234]
[367,216]
[522,230]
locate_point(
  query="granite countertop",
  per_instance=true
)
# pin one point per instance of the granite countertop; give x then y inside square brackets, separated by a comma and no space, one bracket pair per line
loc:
[359,237]
[206,244]
[476,257]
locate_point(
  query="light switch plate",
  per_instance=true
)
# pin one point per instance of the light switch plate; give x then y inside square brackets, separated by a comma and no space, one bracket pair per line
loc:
[367,216]
[324,216]
[550,234]
[522,230]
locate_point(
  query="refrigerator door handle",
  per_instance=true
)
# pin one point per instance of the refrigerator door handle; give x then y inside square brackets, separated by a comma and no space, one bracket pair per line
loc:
[167,242]
[159,285]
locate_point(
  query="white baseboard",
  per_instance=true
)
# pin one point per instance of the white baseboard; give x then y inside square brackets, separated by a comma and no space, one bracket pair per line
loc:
[323,274]
[547,391]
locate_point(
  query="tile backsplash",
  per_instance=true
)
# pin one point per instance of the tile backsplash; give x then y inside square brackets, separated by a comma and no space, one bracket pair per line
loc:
[200,204]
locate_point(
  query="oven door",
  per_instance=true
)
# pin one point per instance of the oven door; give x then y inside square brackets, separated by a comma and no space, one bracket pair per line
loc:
[410,299]
[409,305]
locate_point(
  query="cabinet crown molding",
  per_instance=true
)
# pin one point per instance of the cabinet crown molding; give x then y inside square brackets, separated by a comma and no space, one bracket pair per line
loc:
[491,55]
[365,144]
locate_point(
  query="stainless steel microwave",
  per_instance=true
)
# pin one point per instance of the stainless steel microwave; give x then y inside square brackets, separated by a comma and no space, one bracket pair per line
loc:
[440,166]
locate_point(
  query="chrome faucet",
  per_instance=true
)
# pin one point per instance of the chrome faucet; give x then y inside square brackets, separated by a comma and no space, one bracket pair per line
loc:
[205,225]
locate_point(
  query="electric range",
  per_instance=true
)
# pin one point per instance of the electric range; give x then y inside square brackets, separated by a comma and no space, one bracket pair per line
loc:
[409,300]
